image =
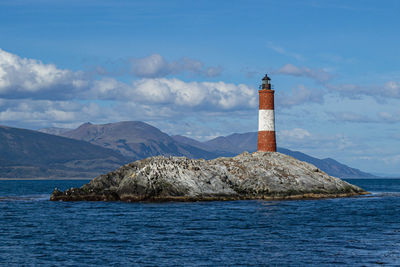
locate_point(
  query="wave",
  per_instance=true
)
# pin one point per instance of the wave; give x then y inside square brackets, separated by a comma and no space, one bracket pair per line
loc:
[40,197]
[383,194]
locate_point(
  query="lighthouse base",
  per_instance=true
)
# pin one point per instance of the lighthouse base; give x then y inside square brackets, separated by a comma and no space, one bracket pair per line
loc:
[266,141]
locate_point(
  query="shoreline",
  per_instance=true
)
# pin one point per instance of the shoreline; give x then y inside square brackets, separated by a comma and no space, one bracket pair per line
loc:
[83,178]
[135,199]
[44,179]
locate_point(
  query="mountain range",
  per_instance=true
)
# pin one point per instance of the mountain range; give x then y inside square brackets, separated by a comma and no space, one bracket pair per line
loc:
[237,143]
[92,149]
[28,154]
[135,140]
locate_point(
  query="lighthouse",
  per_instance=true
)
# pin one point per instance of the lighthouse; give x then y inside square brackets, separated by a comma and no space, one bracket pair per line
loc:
[266,118]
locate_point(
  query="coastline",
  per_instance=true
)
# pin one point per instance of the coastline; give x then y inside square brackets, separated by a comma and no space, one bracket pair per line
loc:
[44,178]
[85,178]
[135,199]
[260,175]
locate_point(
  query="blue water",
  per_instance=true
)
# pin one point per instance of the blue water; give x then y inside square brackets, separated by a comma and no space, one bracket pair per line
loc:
[358,231]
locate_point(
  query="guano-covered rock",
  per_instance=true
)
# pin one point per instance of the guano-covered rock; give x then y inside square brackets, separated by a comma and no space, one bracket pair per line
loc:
[260,175]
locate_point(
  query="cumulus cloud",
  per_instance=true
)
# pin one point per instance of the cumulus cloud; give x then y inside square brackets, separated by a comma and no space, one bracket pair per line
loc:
[176,94]
[108,89]
[389,90]
[300,96]
[36,94]
[39,111]
[22,77]
[155,66]
[214,95]
[319,75]
[29,78]
[30,113]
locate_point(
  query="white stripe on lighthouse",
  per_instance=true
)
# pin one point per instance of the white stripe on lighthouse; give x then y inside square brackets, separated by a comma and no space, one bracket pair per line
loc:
[266,120]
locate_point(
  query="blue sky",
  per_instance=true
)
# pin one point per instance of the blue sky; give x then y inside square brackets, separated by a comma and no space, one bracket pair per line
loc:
[193,68]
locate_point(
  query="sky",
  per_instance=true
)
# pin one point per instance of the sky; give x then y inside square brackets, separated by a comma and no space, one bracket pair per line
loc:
[193,68]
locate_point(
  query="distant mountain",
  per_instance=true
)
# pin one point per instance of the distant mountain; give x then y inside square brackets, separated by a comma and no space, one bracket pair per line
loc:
[328,165]
[30,154]
[386,175]
[93,149]
[189,141]
[54,130]
[136,140]
[237,143]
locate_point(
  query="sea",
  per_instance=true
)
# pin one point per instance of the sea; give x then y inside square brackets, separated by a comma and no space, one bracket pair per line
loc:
[354,231]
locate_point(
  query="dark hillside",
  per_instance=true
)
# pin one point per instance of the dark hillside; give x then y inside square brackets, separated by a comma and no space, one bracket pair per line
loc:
[22,151]
[136,140]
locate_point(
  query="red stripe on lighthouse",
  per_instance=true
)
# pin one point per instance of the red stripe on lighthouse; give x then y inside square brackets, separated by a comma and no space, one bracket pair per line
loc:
[266,141]
[266,119]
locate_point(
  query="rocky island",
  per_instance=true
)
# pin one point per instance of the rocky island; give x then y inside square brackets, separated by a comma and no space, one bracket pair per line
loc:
[260,175]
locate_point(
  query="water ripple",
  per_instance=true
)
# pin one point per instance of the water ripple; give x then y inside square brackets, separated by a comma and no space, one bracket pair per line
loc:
[349,231]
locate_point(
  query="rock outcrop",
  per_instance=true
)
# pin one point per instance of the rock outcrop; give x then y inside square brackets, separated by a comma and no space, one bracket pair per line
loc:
[260,175]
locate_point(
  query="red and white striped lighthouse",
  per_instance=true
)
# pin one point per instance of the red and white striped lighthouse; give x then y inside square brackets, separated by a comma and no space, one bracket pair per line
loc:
[266,118]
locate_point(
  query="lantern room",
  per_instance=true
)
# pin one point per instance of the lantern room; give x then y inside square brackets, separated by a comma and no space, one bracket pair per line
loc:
[266,83]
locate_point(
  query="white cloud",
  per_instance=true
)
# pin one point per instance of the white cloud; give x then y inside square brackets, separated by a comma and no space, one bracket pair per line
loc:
[299,96]
[28,113]
[28,78]
[210,95]
[212,71]
[320,75]
[175,93]
[295,134]
[108,89]
[151,66]
[155,66]
[57,101]
[389,90]
[22,77]
[39,111]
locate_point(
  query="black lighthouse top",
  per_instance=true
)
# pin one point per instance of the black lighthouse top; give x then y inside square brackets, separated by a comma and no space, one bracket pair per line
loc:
[266,83]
